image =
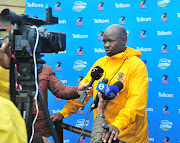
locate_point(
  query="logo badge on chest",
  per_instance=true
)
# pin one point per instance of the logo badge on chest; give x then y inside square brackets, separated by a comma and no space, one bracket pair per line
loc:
[120,76]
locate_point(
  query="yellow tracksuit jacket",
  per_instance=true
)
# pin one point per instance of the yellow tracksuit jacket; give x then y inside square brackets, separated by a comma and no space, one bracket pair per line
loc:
[12,125]
[128,110]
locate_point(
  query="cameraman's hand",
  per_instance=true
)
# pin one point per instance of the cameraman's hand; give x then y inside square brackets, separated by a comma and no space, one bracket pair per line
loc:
[56,117]
[5,54]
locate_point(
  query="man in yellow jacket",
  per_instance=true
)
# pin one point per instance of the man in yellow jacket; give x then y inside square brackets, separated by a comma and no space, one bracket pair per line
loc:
[126,114]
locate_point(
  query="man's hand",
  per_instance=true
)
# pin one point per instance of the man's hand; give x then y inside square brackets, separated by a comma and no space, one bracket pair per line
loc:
[110,135]
[56,117]
[101,104]
[5,54]
[81,88]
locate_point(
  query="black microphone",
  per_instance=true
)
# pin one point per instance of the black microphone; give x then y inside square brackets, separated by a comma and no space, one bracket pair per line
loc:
[101,88]
[96,74]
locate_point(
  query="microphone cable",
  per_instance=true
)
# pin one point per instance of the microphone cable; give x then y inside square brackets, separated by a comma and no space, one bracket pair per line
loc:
[86,118]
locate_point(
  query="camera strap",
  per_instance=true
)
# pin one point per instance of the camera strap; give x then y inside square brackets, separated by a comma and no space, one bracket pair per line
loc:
[12,81]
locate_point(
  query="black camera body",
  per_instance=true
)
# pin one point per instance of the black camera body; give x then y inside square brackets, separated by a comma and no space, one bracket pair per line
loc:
[48,42]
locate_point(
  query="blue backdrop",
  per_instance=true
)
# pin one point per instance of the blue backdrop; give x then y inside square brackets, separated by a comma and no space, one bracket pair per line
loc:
[153,29]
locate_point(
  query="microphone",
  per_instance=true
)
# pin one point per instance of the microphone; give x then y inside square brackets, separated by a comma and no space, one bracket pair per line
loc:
[96,74]
[101,88]
[112,90]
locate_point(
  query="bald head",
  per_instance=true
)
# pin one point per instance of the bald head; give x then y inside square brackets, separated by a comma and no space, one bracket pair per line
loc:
[115,38]
[117,30]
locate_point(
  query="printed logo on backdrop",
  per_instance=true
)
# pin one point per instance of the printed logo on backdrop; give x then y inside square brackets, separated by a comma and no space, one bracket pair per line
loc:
[151,139]
[101,6]
[81,122]
[145,62]
[99,50]
[166,140]
[164,48]
[179,79]
[142,49]
[79,65]
[150,79]
[120,5]
[178,47]
[164,33]
[164,95]
[165,110]
[162,3]
[81,110]
[101,20]
[142,19]
[64,81]
[79,36]
[164,63]
[121,20]
[165,125]
[143,4]
[164,79]
[178,15]
[33,4]
[57,6]
[82,140]
[149,109]
[143,34]
[66,141]
[62,22]
[163,17]
[56,111]
[61,52]
[58,66]
[79,6]
[100,36]
[58,99]
[79,50]
[127,32]
[79,21]
[80,79]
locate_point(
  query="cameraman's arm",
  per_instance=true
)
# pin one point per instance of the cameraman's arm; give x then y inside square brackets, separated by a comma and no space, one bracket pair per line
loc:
[5,54]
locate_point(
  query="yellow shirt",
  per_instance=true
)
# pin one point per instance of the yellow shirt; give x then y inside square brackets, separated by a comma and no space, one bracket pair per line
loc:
[12,125]
[4,83]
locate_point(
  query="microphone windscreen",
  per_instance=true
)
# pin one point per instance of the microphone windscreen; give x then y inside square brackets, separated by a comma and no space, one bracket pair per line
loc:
[119,84]
[97,73]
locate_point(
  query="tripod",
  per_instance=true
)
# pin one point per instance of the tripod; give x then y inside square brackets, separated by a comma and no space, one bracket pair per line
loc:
[25,68]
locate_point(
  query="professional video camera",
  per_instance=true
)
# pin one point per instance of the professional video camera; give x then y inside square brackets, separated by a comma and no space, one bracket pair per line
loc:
[28,40]
[49,42]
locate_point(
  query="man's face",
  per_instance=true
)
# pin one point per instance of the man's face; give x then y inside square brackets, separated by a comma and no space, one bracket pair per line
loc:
[113,43]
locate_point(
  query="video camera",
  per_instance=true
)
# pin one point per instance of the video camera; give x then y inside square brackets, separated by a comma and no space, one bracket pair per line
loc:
[23,34]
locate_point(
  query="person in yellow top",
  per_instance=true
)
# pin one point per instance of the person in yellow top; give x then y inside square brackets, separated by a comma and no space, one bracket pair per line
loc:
[126,114]
[12,125]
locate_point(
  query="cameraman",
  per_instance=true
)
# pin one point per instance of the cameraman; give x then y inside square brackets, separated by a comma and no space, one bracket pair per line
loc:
[12,125]
[48,80]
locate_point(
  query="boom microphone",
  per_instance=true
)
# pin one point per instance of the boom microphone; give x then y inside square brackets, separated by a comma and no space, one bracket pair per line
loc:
[101,88]
[96,74]
[112,90]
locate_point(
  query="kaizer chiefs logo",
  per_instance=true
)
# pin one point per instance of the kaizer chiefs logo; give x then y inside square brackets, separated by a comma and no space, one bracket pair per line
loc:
[120,76]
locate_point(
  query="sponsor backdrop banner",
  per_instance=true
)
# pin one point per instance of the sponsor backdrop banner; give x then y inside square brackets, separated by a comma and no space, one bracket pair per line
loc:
[152,27]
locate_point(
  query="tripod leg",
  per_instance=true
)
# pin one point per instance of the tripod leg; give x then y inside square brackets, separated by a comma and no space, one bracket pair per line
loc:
[46,114]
